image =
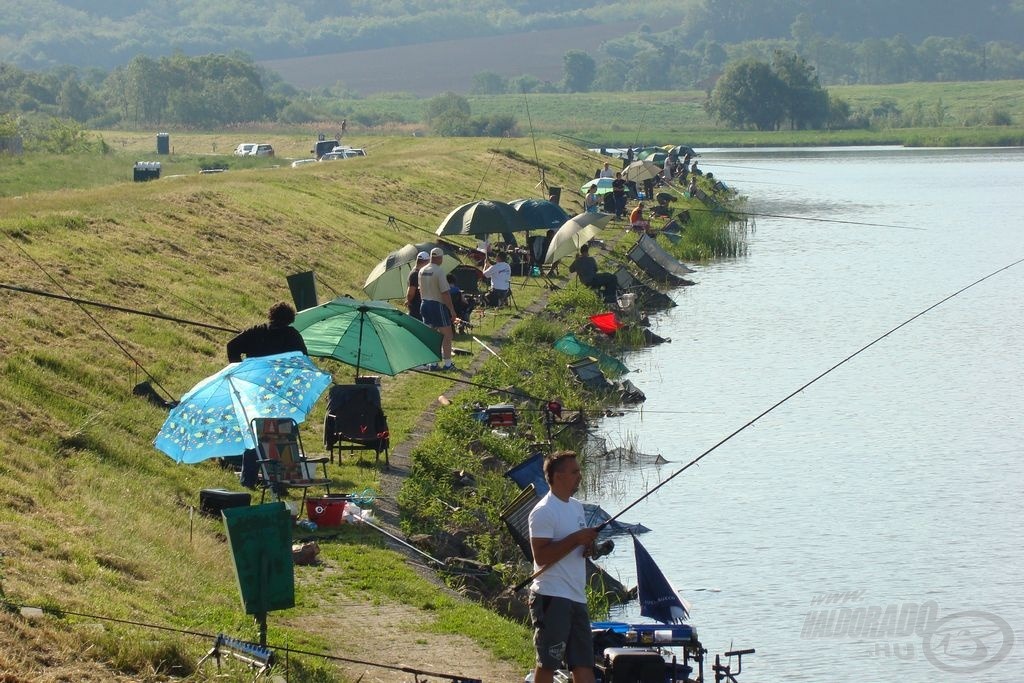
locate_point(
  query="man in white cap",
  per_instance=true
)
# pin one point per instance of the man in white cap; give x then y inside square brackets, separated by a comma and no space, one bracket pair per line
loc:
[437,307]
[412,293]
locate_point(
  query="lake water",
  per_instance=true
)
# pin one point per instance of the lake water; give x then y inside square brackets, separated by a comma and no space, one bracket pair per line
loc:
[892,486]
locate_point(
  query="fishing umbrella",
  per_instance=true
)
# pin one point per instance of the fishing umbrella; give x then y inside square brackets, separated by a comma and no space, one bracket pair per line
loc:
[484,217]
[658,600]
[574,233]
[682,150]
[604,185]
[212,419]
[371,335]
[390,278]
[654,154]
[540,213]
[641,170]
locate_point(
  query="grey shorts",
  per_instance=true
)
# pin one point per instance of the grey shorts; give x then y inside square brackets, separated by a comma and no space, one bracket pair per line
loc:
[561,632]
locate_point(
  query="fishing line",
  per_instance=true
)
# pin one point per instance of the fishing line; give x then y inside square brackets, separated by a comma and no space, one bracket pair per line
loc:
[751,422]
[806,385]
[91,317]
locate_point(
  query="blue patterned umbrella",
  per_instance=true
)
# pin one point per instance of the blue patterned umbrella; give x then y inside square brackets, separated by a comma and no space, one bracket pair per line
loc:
[212,419]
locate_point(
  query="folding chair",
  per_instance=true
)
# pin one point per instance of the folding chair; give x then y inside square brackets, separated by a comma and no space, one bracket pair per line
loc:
[283,463]
[588,373]
[355,419]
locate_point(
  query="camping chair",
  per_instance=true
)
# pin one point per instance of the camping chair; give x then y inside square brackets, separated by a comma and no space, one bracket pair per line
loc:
[495,298]
[588,373]
[467,278]
[283,464]
[355,419]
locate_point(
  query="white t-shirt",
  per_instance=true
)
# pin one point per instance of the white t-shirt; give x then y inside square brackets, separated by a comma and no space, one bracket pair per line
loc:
[432,282]
[500,275]
[555,519]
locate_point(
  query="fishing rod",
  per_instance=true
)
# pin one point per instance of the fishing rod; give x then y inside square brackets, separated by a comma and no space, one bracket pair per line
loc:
[636,140]
[61,613]
[112,307]
[765,412]
[536,154]
[753,214]
[491,351]
[91,317]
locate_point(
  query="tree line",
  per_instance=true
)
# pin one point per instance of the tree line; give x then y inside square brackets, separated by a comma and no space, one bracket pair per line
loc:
[106,33]
[658,61]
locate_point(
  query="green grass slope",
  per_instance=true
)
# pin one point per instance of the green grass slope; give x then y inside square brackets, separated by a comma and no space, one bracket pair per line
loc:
[96,521]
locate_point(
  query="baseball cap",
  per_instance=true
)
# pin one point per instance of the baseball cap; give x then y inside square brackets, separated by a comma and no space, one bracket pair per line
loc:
[422,256]
[436,251]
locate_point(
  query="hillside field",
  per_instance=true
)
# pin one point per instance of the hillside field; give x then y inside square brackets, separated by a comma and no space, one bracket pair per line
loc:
[96,521]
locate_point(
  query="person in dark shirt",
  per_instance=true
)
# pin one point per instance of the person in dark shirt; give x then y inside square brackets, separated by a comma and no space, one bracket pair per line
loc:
[275,336]
[585,268]
[619,195]
[412,292]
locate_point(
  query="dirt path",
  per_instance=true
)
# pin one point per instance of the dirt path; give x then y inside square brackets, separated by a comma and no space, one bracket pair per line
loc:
[399,635]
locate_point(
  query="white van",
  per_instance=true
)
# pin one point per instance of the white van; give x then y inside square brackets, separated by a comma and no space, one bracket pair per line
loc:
[245,149]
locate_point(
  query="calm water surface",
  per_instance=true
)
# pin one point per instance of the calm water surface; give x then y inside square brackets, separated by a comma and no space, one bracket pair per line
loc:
[896,481]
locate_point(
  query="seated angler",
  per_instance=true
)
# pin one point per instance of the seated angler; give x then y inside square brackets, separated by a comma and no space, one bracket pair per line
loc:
[586,268]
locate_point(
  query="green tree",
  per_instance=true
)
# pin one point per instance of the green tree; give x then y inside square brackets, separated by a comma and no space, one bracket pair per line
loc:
[806,103]
[489,83]
[611,75]
[580,70]
[448,115]
[749,93]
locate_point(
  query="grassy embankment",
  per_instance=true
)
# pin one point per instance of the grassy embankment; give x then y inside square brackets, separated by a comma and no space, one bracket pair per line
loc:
[95,519]
[99,522]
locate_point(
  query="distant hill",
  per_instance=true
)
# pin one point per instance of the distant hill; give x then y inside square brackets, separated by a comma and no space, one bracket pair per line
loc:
[430,68]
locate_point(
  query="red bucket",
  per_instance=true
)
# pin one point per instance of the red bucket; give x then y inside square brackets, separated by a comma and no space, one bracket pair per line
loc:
[327,511]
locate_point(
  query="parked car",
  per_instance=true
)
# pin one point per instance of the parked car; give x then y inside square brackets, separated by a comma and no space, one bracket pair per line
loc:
[302,162]
[245,149]
[334,156]
[263,150]
[350,151]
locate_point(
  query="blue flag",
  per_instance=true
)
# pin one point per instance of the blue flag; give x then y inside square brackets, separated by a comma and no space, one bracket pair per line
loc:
[658,600]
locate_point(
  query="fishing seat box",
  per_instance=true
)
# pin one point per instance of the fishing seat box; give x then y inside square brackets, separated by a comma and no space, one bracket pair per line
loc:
[630,665]
[501,415]
[212,501]
[326,511]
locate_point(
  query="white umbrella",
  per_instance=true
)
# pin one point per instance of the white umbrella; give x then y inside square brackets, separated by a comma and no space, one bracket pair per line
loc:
[574,233]
[641,170]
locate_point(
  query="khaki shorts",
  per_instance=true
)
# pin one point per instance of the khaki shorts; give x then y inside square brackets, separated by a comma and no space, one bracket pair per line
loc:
[561,632]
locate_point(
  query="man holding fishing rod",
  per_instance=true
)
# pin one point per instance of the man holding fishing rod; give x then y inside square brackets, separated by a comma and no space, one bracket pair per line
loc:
[561,541]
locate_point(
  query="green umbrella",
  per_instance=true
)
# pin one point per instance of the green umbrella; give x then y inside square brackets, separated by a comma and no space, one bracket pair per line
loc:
[484,217]
[371,335]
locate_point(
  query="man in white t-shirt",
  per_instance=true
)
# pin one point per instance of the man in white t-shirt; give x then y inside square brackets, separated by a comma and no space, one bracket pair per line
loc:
[561,541]
[500,275]
[436,306]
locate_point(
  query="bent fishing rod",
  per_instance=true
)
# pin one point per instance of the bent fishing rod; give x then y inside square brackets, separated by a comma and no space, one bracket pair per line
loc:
[765,412]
